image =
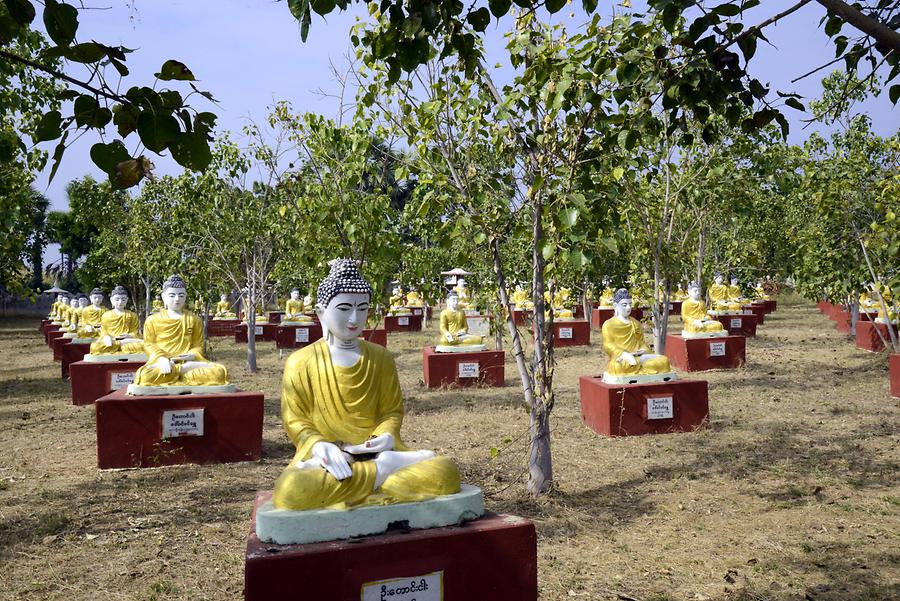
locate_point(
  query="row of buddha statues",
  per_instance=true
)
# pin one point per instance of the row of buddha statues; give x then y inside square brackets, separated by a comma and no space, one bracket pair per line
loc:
[869,302]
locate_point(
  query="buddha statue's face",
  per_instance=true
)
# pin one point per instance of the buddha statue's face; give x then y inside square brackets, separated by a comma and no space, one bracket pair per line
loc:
[734,281]
[452,302]
[64,300]
[174,298]
[694,292]
[119,301]
[223,297]
[719,279]
[397,291]
[96,299]
[307,300]
[345,315]
[295,295]
[60,298]
[622,309]
[461,283]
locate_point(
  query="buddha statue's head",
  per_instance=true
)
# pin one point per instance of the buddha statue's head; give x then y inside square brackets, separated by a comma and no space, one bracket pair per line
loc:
[461,283]
[606,281]
[343,301]
[734,281]
[694,291]
[295,294]
[83,301]
[622,303]
[118,298]
[174,294]
[453,301]
[61,298]
[307,301]
[719,279]
[96,297]
[397,291]
[223,297]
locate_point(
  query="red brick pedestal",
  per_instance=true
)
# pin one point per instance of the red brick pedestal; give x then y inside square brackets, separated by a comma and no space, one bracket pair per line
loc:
[70,354]
[700,354]
[571,333]
[598,316]
[221,327]
[493,557]
[45,323]
[130,429]
[90,381]
[463,369]
[842,320]
[403,323]
[824,307]
[297,336]
[894,373]
[759,310]
[57,345]
[739,325]
[521,317]
[275,316]
[375,336]
[267,332]
[867,338]
[650,408]
[771,306]
[53,335]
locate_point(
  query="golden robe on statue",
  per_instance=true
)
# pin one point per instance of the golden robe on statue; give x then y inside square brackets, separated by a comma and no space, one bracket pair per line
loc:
[293,311]
[719,294]
[113,325]
[90,316]
[166,336]
[692,310]
[620,337]
[454,323]
[321,401]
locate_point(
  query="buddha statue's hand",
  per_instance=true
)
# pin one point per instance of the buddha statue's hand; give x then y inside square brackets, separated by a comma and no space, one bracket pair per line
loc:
[451,338]
[164,365]
[376,444]
[89,329]
[186,357]
[332,459]
[107,340]
[698,323]
[627,358]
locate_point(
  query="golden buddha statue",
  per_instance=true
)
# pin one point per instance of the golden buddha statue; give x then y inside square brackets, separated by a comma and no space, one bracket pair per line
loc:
[89,320]
[342,407]
[454,326]
[623,343]
[54,308]
[173,341]
[74,317]
[697,322]
[118,329]
[462,294]
[679,294]
[521,300]
[735,293]
[414,299]
[888,298]
[59,308]
[293,310]
[720,297]
[558,304]
[224,309]
[398,303]
[156,306]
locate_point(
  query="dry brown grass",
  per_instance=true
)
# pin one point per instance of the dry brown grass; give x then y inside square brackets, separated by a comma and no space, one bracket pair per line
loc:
[791,493]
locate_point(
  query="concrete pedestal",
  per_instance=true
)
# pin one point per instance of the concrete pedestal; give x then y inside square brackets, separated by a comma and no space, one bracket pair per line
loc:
[823,307]
[53,335]
[71,353]
[759,310]
[571,333]
[867,336]
[221,327]
[894,374]
[375,336]
[90,381]
[267,332]
[521,317]
[57,345]
[209,428]
[494,557]
[463,369]
[739,325]
[296,336]
[649,408]
[868,315]
[45,323]
[403,323]
[599,316]
[842,320]
[771,306]
[701,354]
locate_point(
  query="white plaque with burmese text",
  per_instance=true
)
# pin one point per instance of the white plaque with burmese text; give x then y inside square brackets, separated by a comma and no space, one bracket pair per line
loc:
[735,324]
[429,587]
[182,422]
[659,407]
[301,335]
[747,311]
[403,321]
[716,349]
[258,330]
[120,379]
[565,333]
[468,370]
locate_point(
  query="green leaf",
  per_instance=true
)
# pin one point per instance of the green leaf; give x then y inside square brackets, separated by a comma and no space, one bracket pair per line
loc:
[107,156]
[20,10]
[833,26]
[57,156]
[547,250]
[894,93]
[61,21]
[578,259]
[479,19]
[495,452]
[748,46]
[49,128]
[499,8]
[757,89]
[589,6]
[567,217]
[322,7]
[8,144]
[174,70]
[618,172]
[125,118]
[795,104]
[298,8]
[85,108]
[88,52]
[727,10]
[157,131]
[554,6]
[130,172]
[191,150]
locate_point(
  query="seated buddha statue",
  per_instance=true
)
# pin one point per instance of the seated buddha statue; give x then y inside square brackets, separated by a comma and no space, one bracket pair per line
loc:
[558,304]
[118,328]
[697,323]
[342,407]
[720,298]
[89,320]
[454,326]
[680,293]
[761,294]
[173,341]
[398,303]
[54,308]
[59,308]
[75,316]
[462,294]
[623,343]
[735,293]
[414,299]
[156,306]
[293,310]
[521,300]
[224,309]
[892,309]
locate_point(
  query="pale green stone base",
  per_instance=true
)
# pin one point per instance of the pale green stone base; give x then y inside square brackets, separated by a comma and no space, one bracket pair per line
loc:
[639,378]
[135,390]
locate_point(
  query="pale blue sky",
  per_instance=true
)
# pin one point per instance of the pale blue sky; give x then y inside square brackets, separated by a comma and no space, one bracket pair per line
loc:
[248,53]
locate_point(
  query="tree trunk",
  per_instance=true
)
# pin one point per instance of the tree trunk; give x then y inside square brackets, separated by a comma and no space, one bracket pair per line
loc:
[147,295]
[518,351]
[250,312]
[701,251]
[854,314]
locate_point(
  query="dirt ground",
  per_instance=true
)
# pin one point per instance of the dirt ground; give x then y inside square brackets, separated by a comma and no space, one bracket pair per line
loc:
[791,493]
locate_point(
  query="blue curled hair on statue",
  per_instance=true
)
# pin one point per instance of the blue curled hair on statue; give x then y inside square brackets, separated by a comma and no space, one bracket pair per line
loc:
[620,295]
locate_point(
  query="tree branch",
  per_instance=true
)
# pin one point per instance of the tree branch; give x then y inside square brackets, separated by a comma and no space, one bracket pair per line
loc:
[60,75]
[866,24]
